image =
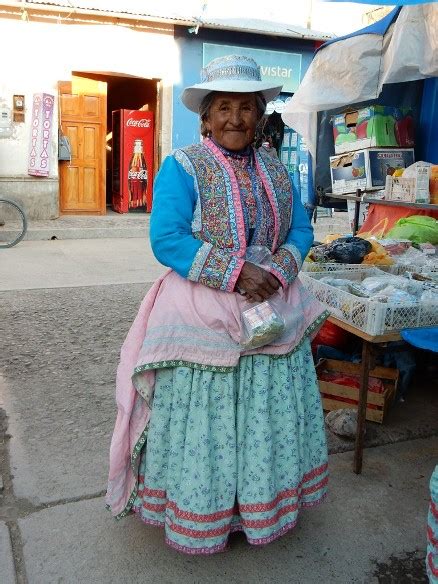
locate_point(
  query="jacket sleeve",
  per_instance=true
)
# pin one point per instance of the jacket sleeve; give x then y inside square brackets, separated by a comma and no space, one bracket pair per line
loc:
[288,259]
[171,234]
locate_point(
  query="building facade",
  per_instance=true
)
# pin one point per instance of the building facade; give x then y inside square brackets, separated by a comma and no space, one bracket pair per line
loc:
[71,70]
[283,60]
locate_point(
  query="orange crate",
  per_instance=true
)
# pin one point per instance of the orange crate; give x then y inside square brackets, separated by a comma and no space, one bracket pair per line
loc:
[335,396]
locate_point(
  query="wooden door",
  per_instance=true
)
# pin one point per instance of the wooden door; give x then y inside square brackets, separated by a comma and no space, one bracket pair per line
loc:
[82,104]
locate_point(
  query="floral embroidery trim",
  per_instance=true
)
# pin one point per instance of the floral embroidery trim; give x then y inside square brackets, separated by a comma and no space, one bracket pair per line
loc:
[199,262]
[156,493]
[248,523]
[193,551]
[269,187]
[284,265]
[180,363]
[296,492]
[295,252]
[215,268]
[235,193]
[280,276]
[236,527]
[189,532]
[182,157]
[232,274]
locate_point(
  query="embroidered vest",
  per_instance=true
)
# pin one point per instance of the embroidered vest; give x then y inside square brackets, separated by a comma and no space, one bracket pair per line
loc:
[218,218]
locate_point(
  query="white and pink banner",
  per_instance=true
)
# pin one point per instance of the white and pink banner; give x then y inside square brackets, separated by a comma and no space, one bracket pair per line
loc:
[41,134]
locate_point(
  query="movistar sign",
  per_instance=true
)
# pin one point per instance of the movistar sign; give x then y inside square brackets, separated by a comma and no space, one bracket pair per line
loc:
[279,67]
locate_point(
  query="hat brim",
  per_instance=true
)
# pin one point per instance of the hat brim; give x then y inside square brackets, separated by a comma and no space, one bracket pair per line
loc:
[193,96]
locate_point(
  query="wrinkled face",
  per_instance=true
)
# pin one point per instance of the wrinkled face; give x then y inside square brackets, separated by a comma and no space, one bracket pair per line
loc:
[232,119]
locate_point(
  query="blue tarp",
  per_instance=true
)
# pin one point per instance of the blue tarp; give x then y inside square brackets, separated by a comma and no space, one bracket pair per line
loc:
[423,338]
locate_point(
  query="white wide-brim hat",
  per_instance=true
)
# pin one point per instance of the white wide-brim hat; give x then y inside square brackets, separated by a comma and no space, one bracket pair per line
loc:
[230,74]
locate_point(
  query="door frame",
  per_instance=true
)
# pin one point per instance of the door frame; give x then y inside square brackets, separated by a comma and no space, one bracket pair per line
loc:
[101,200]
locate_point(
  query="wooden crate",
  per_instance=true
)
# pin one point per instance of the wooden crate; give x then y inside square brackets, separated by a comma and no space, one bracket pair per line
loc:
[377,403]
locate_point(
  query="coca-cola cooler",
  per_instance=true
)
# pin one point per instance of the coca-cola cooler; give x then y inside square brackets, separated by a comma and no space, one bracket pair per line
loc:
[132,159]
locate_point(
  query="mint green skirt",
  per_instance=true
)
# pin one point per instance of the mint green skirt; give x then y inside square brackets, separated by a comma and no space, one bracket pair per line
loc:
[242,450]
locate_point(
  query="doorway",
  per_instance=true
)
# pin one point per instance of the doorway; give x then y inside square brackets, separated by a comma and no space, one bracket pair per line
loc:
[122,92]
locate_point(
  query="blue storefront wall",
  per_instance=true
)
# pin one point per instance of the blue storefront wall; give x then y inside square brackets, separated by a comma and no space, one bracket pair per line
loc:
[185,124]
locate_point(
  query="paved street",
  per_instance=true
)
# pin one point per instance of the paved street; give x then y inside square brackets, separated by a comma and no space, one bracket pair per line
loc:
[65,307]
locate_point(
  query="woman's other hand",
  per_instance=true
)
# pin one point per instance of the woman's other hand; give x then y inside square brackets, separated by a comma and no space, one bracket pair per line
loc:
[256,283]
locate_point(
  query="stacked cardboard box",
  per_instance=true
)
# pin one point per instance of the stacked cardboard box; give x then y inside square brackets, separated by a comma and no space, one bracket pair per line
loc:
[371,143]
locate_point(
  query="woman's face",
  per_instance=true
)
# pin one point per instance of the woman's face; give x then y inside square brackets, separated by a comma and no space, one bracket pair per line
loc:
[232,119]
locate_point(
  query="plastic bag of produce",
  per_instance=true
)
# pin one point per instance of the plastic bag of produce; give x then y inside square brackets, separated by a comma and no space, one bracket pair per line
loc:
[261,324]
[378,256]
[346,285]
[390,288]
[416,228]
[344,250]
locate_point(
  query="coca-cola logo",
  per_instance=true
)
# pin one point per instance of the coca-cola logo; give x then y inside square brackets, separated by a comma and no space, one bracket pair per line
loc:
[140,174]
[143,123]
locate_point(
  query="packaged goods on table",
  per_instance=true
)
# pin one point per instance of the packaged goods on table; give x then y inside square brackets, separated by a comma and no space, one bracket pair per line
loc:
[374,301]
[366,169]
[348,250]
[410,184]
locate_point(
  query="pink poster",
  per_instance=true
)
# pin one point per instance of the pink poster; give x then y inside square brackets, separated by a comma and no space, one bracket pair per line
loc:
[41,134]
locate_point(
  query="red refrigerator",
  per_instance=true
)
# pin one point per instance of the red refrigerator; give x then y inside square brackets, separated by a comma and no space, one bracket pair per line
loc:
[132,159]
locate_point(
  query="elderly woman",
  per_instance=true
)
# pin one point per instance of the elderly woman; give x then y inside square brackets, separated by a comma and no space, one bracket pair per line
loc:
[212,437]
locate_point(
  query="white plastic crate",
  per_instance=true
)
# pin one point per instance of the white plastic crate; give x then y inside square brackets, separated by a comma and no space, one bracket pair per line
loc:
[374,318]
[396,269]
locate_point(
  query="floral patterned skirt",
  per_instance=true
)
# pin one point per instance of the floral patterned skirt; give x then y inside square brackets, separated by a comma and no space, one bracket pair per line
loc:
[242,450]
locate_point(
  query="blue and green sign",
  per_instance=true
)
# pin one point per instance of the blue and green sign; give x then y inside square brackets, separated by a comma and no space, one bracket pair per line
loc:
[276,66]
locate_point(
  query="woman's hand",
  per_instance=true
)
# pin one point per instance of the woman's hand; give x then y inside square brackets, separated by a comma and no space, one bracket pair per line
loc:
[256,283]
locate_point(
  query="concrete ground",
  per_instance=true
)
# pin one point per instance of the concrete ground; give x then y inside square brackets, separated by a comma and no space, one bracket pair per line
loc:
[65,308]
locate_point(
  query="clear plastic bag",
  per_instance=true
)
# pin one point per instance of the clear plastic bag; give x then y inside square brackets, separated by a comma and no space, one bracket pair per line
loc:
[267,321]
[261,324]
[346,285]
[259,255]
[392,289]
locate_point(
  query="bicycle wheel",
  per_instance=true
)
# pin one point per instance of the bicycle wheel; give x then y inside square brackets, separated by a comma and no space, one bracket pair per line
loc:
[13,223]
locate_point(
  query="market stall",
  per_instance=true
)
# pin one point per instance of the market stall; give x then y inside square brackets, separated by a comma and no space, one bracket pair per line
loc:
[384,281]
